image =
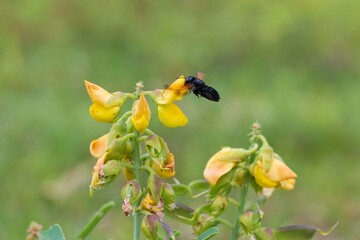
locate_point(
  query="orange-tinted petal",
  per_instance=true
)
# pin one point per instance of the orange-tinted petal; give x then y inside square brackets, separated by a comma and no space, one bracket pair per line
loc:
[219,165]
[98,146]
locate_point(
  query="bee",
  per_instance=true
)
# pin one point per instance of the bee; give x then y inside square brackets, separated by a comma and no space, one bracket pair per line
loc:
[199,88]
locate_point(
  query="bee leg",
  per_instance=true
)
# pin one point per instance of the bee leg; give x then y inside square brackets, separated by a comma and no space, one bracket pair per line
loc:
[196,92]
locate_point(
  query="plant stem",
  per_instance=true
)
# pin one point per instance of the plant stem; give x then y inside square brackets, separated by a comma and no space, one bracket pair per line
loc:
[137,214]
[240,208]
[95,219]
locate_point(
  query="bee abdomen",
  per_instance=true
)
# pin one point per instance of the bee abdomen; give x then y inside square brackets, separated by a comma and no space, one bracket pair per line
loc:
[209,93]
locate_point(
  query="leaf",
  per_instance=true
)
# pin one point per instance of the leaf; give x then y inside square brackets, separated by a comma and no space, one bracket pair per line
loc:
[209,233]
[180,189]
[53,233]
[299,232]
[199,185]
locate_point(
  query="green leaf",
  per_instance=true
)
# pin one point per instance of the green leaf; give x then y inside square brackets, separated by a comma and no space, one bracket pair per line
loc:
[180,189]
[299,232]
[209,233]
[53,233]
[199,185]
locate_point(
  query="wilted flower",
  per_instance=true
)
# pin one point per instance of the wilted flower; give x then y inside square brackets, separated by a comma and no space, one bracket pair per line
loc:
[279,174]
[148,204]
[222,162]
[141,114]
[165,169]
[126,207]
[106,106]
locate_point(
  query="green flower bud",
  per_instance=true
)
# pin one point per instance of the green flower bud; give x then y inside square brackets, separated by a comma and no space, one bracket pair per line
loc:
[204,222]
[154,185]
[239,177]
[168,196]
[132,191]
[251,220]
[154,228]
[111,168]
[149,226]
[219,205]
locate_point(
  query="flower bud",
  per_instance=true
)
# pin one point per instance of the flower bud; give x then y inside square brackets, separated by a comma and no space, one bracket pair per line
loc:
[141,114]
[132,191]
[154,184]
[168,196]
[219,205]
[149,226]
[154,228]
[250,220]
[111,168]
[204,222]
[239,176]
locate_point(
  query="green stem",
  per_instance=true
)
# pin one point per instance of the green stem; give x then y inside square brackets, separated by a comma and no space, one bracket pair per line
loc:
[137,214]
[240,208]
[96,219]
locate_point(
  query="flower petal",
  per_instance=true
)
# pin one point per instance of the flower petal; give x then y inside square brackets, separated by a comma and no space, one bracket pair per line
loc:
[98,146]
[218,166]
[279,171]
[175,91]
[171,116]
[102,114]
[97,93]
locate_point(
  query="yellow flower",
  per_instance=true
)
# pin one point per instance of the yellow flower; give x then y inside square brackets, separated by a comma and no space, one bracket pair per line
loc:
[141,114]
[106,106]
[171,116]
[279,174]
[175,91]
[169,113]
[222,162]
[98,146]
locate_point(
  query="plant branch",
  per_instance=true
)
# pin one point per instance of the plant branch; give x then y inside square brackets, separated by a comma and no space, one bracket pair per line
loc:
[96,219]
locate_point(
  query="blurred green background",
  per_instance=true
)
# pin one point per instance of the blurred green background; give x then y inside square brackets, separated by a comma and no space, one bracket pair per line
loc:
[292,65]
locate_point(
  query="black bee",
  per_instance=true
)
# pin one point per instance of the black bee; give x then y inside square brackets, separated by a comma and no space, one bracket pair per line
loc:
[198,87]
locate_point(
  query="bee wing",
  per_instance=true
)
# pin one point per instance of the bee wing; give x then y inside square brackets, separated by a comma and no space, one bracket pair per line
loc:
[200,75]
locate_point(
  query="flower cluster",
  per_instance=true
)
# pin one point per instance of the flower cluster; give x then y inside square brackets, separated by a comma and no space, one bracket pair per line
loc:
[132,148]
[266,167]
